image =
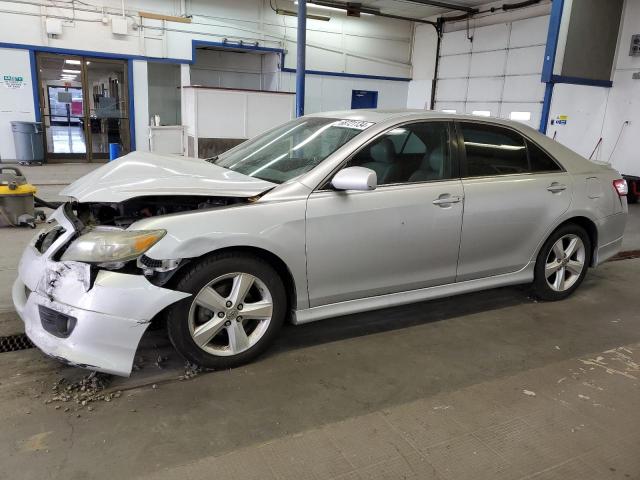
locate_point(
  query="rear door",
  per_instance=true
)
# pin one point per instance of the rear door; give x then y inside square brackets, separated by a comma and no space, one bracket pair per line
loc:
[513,193]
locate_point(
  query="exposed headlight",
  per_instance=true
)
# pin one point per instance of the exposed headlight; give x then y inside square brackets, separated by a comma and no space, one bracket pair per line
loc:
[112,245]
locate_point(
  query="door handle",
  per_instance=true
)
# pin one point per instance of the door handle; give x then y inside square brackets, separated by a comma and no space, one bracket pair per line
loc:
[446,199]
[556,187]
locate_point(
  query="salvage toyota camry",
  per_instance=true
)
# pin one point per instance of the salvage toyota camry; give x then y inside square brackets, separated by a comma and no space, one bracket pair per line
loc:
[326,215]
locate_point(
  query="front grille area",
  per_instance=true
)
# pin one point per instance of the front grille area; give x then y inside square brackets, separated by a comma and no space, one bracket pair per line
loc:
[56,323]
[150,262]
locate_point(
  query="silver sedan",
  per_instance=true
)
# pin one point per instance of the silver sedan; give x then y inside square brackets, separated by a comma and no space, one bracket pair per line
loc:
[327,215]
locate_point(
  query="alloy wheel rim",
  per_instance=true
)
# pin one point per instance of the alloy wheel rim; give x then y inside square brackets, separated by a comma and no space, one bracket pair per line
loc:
[230,314]
[565,263]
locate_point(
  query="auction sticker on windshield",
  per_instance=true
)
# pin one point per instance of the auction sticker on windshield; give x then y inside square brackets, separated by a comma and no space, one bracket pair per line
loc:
[357,124]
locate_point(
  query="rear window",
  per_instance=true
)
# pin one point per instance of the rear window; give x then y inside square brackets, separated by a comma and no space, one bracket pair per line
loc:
[492,150]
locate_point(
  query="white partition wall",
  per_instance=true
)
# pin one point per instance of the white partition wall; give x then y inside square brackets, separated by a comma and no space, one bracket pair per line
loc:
[16,97]
[495,73]
[226,114]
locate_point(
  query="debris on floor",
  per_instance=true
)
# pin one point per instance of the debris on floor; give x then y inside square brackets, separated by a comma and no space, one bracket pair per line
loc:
[190,371]
[82,392]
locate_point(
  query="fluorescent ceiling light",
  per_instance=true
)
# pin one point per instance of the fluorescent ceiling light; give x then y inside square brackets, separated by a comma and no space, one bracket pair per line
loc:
[70,71]
[291,13]
[322,7]
[482,113]
[449,111]
[520,116]
[72,62]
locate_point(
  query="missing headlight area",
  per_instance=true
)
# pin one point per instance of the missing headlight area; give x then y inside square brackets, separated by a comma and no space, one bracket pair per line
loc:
[125,213]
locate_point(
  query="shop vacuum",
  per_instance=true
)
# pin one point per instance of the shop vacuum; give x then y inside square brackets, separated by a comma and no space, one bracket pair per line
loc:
[18,200]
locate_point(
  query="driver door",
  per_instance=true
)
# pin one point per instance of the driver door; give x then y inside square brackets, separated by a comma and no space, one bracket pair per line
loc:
[404,235]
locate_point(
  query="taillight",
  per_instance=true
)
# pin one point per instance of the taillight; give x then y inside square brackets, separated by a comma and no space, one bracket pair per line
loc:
[621,187]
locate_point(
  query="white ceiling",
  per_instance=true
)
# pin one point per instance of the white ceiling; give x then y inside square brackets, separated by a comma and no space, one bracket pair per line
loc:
[405,8]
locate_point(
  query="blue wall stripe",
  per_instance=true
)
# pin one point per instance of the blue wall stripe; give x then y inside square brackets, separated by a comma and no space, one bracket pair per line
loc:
[546,108]
[348,75]
[195,44]
[549,60]
[90,53]
[132,112]
[582,81]
[552,40]
[35,88]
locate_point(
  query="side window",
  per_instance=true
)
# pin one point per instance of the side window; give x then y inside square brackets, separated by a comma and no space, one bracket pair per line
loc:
[540,161]
[493,150]
[418,152]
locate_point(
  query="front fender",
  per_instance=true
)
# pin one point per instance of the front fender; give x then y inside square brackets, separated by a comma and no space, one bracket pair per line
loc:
[277,227]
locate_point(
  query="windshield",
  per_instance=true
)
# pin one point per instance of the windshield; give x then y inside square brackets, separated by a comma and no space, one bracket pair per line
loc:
[292,149]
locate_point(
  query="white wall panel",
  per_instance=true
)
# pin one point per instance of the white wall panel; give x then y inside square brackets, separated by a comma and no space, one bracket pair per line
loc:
[526,60]
[493,37]
[523,88]
[492,107]
[452,90]
[485,89]
[141,104]
[504,68]
[454,43]
[419,94]
[531,31]
[15,104]
[457,107]
[488,64]
[612,114]
[454,66]
[535,108]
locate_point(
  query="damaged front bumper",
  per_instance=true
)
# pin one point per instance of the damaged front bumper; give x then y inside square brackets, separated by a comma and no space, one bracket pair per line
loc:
[93,324]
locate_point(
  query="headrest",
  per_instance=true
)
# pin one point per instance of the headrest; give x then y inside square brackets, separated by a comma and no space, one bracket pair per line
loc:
[433,160]
[383,151]
[436,159]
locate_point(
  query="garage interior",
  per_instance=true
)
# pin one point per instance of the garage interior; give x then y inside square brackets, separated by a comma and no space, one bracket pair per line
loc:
[492,384]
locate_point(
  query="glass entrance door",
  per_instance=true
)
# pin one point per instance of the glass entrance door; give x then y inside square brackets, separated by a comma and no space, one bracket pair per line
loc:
[84,107]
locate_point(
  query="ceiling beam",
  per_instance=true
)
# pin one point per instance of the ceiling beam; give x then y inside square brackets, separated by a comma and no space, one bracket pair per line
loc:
[448,5]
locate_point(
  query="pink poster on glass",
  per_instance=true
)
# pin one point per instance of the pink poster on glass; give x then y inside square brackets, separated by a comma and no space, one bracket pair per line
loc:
[76,106]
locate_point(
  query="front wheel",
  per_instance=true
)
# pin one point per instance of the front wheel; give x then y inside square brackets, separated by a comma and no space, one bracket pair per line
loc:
[562,263]
[237,306]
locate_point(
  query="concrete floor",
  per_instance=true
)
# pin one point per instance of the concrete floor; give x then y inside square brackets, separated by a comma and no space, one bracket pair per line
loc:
[490,385]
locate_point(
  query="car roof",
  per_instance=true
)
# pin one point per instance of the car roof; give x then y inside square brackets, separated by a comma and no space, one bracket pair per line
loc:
[382,115]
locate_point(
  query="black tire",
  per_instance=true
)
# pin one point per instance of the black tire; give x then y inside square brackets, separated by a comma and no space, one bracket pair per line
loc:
[541,289]
[198,276]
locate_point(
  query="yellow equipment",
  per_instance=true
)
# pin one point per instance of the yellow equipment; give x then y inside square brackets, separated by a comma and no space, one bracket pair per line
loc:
[16,199]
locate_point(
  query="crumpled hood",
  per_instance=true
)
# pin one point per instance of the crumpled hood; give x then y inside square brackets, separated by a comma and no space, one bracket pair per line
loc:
[143,174]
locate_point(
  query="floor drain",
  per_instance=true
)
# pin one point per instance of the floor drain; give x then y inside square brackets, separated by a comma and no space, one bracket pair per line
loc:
[13,343]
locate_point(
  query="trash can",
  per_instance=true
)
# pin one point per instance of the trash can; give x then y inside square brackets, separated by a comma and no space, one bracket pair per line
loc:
[27,137]
[114,151]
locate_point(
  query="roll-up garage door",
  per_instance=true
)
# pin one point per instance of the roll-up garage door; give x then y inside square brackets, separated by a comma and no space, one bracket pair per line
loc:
[496,74]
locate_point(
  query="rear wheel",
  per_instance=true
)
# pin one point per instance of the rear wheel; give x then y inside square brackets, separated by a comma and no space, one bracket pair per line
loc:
[562,263]
[237,306]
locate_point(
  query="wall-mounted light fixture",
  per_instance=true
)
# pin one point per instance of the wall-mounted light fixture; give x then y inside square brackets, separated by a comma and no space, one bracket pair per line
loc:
[291,13]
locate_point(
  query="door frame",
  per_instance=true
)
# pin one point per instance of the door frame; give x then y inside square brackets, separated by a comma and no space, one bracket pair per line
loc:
[127,99]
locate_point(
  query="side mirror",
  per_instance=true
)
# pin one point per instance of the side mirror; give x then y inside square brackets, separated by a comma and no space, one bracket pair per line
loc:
[355,178]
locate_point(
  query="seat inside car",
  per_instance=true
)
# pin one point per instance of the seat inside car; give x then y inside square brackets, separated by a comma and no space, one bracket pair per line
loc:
[431,167]
[383,161]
